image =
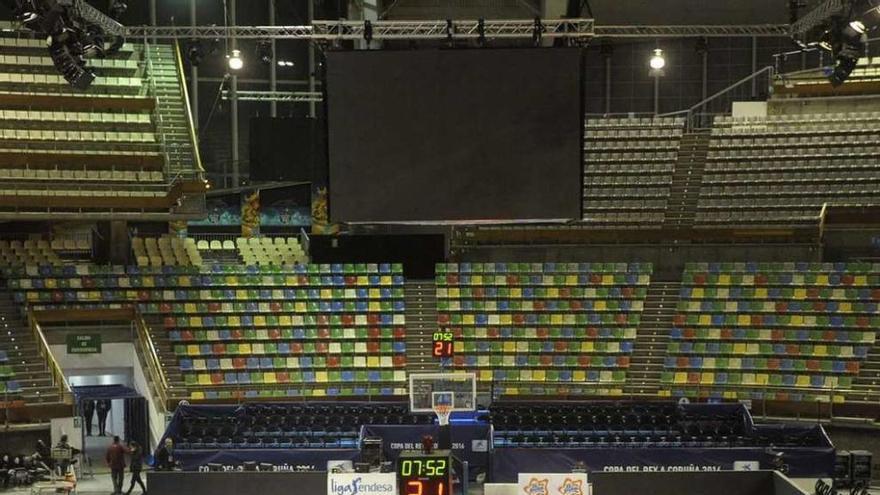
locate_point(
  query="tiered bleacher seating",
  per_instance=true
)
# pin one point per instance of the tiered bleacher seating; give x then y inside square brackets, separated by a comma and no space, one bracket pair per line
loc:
[305,330]
[783,168]
[543,329]
[167,250]
[280,426]
[63,149]
[774,331]
[270,251]
[628,169]
[28,252]
[598,424]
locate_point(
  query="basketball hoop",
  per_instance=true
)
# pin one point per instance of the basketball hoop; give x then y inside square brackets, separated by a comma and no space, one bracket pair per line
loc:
[443,411]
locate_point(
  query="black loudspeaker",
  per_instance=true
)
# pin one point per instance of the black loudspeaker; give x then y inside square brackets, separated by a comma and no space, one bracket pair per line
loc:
[286,149]
[860,467]
[842,469]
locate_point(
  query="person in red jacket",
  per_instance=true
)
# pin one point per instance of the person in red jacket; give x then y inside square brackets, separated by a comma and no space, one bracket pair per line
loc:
[116,460]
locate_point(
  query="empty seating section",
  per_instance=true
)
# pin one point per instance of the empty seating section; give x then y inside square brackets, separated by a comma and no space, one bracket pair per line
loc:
[165,251]
[270,251]
[280,426]
[776,331]
[305,330]
[597,424]
[28,252]
[553,328]
[783,168]
[629,164]
[59,142]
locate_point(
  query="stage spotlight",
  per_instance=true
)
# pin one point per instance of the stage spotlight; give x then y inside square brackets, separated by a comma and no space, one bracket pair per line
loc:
[264,52]
[657,62]
[844,65]
[195,53]
[235,61]
[858,27]
[67,57]
[285,63]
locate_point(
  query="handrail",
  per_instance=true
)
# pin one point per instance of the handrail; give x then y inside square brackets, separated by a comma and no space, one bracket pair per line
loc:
[185,93]
[58,378]
[154,367]
[770,70]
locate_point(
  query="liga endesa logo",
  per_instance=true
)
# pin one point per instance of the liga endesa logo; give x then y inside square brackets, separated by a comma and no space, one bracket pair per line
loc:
[537,487]
[572,487]
[358,487]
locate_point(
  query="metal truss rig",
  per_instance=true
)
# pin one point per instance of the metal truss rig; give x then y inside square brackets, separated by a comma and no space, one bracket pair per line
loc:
[380,30]
[817,16]
[329,31]
[284,96]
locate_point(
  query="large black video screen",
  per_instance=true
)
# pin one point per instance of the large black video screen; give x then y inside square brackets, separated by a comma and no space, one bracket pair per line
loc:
[455,135]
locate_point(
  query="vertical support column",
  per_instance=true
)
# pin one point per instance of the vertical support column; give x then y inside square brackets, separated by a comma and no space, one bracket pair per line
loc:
[754,66]
[608,84]
[233,105]
[273,68]
[369,12]
[656,95]
[194,75]
[704,90]
[311,17]
[154,16]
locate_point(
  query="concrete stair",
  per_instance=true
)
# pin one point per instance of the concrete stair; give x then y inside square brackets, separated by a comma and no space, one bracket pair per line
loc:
[649,351]
[681,208]
[866,386]
[421,323]
[173,121]
[30,369]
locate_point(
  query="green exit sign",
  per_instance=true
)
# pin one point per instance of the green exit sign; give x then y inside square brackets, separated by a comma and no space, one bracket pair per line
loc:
[84,343]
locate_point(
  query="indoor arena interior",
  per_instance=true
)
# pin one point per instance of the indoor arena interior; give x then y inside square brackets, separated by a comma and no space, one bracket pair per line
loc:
[499,247]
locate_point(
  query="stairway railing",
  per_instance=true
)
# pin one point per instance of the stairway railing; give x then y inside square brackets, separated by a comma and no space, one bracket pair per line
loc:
[57,374]
[151,357]
[701,115]
[192,132]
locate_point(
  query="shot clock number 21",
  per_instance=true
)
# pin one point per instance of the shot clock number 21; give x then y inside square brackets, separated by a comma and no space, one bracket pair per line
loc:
[444,341]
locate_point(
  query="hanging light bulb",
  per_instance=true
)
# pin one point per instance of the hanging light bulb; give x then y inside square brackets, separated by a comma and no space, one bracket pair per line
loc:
[235,60]
[657,61]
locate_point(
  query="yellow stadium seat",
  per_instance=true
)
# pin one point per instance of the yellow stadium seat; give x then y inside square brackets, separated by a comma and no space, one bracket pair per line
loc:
[204,379]
[707,379]
[197,395]
[556,319]
[516,293]
[192,350]
[467,319]
[743,320]
[552,293]
[680,377]
[762,378]
[476,280]
[723,279]
[822,279]
[705,320]
[600,305]
[483,361]
[321,377]
[486,375]
[860,280]
[509,346]
[244,348]
[803,381]
[579,376]
[458,346]
[372,361]
[269,377]
[697,293]
[539,375]
[800,293]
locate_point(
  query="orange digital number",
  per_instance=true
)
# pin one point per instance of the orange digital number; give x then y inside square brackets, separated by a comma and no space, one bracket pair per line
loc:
[417,485]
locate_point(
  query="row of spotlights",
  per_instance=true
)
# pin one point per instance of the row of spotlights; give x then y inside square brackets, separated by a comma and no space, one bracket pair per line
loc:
[236,62]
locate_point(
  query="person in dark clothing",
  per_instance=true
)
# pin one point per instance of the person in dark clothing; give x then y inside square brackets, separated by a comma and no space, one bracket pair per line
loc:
[116,460]
[88,414]
[137,464]
[165,456]
[103,409]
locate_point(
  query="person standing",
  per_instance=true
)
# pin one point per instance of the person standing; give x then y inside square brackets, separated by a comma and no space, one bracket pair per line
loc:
[103,409]
[137,464]
[116,460]
[88,415]
[165,456]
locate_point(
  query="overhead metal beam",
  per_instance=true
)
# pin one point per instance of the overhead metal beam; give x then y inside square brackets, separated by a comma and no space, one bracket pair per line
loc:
[321,30]
[94,16]
[710,31]
[282,96]
[817,16]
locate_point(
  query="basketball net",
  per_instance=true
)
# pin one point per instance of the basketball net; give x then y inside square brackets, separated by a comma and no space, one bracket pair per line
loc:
[442,411]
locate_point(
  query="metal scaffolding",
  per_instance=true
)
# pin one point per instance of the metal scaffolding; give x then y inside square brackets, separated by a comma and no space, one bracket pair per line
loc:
[379,30]
[329,31]
[691,31]
[817,16]
[282,96]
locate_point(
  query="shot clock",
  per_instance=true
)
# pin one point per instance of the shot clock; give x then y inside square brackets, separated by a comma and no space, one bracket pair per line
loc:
[444,341]
[424,474]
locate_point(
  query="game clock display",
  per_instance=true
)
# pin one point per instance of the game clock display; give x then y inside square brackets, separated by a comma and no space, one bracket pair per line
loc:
[424,474]
[443,344]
